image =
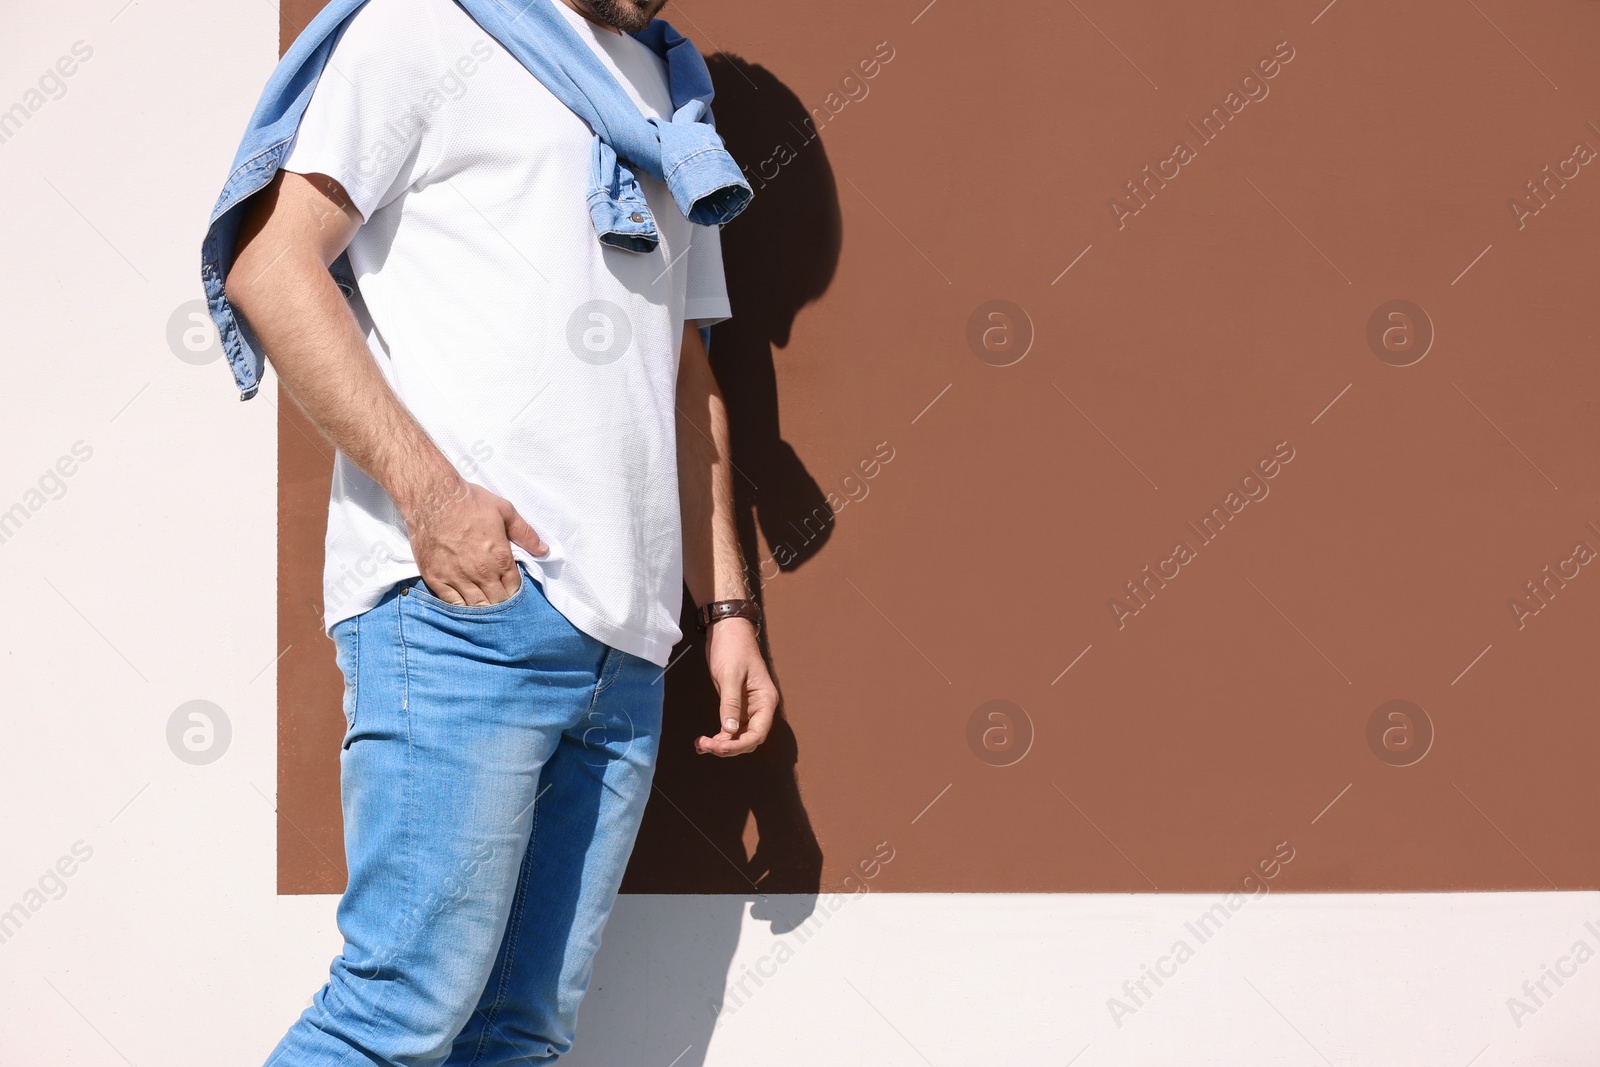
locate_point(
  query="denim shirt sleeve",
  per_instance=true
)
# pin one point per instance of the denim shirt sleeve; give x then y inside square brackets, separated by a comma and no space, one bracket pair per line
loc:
[686,153]
[266,141]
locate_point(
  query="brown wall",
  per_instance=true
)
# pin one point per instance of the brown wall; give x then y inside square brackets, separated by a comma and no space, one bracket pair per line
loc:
[1187,342]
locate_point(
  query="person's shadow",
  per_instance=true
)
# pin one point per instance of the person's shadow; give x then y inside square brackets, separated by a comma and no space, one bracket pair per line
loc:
[730,831]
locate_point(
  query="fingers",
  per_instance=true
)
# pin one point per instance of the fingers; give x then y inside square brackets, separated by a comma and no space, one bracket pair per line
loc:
[758,726]
[731,717]
[732,709]
[726,742]
[726,745]
[518,532]
[462,592]
[464,551]
[494,589]
[746,719]
[478,587]
[721,745]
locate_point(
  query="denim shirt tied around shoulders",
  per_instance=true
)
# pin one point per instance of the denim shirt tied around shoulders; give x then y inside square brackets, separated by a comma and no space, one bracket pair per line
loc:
[686,153]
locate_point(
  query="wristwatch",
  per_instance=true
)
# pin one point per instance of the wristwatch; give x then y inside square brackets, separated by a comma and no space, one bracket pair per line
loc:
[718,610]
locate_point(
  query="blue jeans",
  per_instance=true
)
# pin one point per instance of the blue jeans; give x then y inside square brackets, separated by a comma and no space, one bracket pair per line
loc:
[494,773]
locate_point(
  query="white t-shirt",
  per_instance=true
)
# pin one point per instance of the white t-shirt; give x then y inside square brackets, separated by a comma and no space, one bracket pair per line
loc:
[543,363]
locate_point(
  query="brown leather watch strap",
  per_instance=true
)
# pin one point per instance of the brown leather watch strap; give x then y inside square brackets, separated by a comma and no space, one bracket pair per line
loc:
[718,610]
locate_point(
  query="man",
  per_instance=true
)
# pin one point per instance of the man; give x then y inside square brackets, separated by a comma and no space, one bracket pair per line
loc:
[532,461]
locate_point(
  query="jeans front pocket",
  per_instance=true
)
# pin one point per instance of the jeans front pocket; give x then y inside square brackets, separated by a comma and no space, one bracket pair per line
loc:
[417,590]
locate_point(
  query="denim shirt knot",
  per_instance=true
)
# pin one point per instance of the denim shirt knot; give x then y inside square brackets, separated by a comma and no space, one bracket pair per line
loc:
[686,153]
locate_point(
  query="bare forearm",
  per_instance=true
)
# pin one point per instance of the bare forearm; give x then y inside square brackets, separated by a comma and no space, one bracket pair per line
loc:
[713,566]
[461,534]
[314,343]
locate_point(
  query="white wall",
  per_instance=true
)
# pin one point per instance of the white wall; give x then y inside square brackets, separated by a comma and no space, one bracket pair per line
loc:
[144,580]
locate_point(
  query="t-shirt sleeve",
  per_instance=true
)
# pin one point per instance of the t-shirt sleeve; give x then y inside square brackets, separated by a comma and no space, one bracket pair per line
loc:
[370,122]
[707,296]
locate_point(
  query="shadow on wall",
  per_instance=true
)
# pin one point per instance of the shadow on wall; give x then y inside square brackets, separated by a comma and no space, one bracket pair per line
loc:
[663,965]
[735,829]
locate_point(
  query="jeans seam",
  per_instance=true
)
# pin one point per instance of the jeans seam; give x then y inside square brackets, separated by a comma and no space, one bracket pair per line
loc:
[333,991]
[519,903]
[355,672]
[410,792]
[604,682]
[411,748]
[410,769]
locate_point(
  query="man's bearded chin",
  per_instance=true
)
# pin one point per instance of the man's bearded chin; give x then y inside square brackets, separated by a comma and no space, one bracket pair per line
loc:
[629,16]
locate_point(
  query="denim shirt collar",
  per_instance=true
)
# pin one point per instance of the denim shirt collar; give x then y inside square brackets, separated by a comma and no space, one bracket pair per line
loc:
[685,152]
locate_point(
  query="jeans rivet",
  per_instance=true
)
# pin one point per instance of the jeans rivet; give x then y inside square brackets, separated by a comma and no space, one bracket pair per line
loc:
[636,217]
[406,591]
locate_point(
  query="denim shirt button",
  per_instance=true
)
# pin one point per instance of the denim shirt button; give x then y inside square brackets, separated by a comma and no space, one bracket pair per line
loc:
[636,217]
